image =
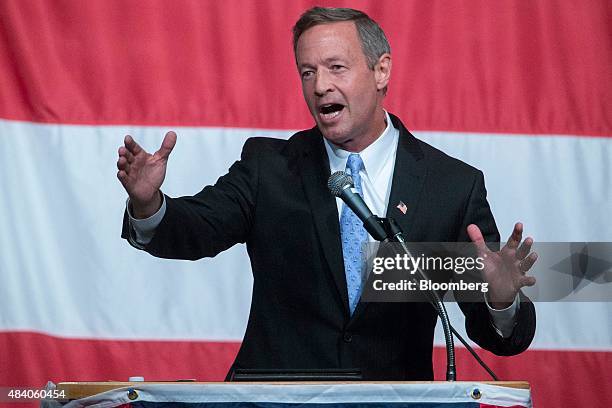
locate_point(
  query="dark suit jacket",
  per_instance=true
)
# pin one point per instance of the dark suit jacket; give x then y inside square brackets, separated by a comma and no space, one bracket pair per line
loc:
[275,200]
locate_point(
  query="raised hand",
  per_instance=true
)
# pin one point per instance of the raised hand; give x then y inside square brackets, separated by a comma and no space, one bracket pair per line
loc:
[142,173]
[505,270]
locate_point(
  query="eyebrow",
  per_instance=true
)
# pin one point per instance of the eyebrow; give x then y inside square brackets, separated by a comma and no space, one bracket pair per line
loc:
[327,61]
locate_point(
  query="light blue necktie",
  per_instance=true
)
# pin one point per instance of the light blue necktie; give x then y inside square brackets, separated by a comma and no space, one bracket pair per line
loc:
[353,236]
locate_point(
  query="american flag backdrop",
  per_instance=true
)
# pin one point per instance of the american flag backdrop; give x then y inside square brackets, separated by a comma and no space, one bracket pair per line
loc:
[520,89]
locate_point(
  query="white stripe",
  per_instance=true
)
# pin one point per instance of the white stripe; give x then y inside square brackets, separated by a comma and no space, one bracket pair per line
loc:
[560,187]
[65,270]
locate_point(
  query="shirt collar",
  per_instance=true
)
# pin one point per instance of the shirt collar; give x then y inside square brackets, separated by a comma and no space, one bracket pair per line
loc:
[373,156]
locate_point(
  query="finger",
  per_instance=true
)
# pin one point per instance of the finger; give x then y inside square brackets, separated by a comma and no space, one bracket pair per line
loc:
[167,145]
[123,177]
[527,281]
[524,249]
[516,237]
[528,262]
[122,164]
[124,152]
[476,237]
[131,145]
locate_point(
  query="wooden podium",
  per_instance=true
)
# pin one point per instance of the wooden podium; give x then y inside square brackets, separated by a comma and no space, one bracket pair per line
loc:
[439,394]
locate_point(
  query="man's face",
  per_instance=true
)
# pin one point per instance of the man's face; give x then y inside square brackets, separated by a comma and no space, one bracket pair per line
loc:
[343,95]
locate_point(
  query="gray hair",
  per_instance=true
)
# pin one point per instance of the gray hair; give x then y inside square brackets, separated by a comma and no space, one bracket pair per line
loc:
[373,40]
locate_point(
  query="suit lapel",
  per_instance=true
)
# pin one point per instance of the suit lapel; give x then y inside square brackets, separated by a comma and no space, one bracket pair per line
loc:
[407,183]
[408,178]
[315,172]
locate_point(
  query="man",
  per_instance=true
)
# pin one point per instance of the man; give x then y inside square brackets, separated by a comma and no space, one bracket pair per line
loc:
[302,242]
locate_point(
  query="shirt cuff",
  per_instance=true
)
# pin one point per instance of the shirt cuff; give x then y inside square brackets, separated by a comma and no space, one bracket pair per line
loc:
[504,320]
[144,229]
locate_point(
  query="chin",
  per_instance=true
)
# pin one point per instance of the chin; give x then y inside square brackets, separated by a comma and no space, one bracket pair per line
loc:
[335,136]
[338,140]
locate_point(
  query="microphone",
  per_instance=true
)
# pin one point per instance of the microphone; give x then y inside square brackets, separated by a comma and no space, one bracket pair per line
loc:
[341,185]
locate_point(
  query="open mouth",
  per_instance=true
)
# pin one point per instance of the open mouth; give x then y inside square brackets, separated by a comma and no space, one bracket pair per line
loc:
[330,110]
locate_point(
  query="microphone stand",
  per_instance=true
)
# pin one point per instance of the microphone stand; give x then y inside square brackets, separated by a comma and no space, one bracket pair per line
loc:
[394,234]
[387,230]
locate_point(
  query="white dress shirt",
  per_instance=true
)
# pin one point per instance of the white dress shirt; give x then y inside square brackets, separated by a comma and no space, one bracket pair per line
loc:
[377,173]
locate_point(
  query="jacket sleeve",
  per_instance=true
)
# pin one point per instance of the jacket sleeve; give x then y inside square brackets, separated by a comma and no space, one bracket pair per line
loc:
[211,221]
[478,320]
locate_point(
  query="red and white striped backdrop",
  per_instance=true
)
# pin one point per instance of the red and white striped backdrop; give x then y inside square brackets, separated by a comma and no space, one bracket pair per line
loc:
[519,89]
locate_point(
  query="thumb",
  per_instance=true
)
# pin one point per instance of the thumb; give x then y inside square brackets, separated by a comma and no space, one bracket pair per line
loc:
[476,236]
[167,145]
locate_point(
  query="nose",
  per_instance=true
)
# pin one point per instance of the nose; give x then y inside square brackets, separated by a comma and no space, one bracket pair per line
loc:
[323,83]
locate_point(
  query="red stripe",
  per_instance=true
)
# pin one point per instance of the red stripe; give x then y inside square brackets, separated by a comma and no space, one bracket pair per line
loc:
[32,359]
[526,67]
[558,378]
[497,406]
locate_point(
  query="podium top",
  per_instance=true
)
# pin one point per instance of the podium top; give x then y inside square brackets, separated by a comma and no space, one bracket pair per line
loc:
[78,390]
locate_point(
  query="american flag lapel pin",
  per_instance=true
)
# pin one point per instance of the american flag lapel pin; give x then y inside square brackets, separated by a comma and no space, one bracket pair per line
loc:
[402,207]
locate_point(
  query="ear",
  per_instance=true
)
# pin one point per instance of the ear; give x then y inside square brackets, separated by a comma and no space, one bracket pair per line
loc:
[382,71]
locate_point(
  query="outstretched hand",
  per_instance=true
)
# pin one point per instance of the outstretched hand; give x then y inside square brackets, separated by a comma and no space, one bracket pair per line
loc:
[142,173]
[505,270]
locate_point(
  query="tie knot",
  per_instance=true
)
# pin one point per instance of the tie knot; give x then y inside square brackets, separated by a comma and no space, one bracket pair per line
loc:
[354,164]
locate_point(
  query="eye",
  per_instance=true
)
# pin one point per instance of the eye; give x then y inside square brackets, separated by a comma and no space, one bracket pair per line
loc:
[337,67]
[307,74]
